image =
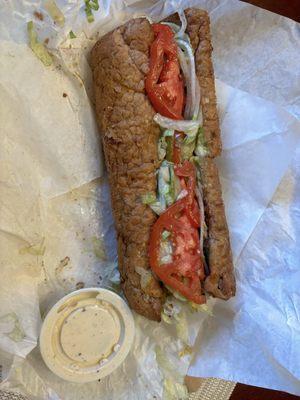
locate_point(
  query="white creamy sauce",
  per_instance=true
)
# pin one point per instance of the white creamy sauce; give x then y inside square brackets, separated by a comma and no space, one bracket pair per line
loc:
[89,334]
[86,333]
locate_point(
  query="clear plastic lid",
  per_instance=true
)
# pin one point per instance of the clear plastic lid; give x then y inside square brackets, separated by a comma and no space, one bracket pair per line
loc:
[87,335]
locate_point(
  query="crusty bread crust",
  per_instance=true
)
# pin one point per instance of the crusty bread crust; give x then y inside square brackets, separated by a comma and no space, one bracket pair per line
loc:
[119,62]
[221,281]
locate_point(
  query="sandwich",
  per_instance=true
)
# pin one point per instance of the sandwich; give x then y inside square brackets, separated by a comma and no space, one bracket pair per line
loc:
[156,108]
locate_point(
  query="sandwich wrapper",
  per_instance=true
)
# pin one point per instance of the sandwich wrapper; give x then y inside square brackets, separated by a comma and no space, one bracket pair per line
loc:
[56,227]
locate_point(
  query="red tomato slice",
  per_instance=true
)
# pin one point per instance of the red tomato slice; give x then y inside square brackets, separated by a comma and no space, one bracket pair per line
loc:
[163,83]
[185,272]
[193,213]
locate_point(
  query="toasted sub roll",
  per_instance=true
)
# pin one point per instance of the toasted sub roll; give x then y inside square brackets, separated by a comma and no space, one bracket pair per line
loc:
[120,63]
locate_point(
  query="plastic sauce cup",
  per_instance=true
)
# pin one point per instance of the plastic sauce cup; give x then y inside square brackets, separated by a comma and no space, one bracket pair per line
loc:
[87,334]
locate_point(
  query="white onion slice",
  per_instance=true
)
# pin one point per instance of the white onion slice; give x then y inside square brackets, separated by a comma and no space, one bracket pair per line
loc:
[183,20]
[185,126]
[187,77]
[193,89]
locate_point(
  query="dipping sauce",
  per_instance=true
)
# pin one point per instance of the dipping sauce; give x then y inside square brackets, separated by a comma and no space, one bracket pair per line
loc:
[87,335]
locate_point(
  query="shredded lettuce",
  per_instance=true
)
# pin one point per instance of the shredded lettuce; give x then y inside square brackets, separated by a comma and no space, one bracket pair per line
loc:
[171,308]
[34,249]
[153,203]
[168,189]
[55,12]
[166,251]
[177,295]
[165,145]
[188,147]
[174,390]
[194,143]
[166,318]
[89,6]
[15,330]
[200,307]
[99,248]
[162,148]
[186,351]
[201,146]
[165,235]
[111,277]
[182,327]
[173,382]
[165,364]
[157,207]
[168,184]
[174,313]
[170,196]
[72,35]
[38,48]
[148,198]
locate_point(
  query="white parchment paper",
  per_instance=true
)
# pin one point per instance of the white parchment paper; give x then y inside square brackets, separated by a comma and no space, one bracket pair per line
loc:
[56,228]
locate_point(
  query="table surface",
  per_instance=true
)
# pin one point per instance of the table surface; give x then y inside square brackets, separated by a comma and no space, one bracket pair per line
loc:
[290,9]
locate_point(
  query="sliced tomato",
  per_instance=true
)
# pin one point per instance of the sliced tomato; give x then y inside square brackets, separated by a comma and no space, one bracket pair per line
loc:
[164,85]
[193,213]
[185,272]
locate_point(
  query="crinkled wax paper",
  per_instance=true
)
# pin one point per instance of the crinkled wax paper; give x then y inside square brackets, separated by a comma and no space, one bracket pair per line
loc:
[56,227]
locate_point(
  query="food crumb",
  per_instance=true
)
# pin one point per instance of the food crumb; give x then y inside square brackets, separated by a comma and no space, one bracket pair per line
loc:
[38,15]
[46,41]
[83,310]
[65,94]
[99,380]
[64,262]
[79,285]
[79,354]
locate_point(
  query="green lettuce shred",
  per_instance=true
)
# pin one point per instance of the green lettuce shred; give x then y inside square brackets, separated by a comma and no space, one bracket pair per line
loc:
[201,149]
[34,249]
[162,148]
[148,198]
[165,364]
[165,145]
[200,308]
[182,327]
[174,390]
[16,333]
[165,235]
[72,35]
[55,13]
[186,351]
[99,248]
[38,48]
[91,5]
[194,142]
